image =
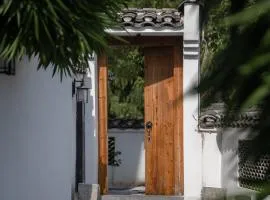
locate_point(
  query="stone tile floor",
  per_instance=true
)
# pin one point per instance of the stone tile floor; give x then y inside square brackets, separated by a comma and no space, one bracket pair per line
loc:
[139,190]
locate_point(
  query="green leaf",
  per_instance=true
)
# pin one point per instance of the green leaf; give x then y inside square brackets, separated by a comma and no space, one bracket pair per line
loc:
[256,97]
[36,26]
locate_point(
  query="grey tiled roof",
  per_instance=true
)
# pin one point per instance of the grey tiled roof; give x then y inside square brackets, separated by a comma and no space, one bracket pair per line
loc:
[126,123]
[214,117]
[151,17]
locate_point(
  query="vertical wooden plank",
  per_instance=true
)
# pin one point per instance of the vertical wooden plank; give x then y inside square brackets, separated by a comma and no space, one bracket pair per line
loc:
[149,113]
[168,112]
[161,108]
[178,130]
[102,123]
[158,156]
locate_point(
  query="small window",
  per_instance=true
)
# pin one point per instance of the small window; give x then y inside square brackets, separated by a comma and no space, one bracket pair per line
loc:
[254,172]
[111,149]
[113,155]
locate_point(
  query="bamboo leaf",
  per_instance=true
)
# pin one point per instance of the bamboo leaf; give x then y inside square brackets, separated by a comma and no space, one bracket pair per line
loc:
[36,26]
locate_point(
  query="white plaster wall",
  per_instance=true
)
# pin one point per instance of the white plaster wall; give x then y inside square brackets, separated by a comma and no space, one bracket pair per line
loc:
[91,128]
[230,159]
[192,140]
[211,159]
[220,159]
[131,171]
[37,135]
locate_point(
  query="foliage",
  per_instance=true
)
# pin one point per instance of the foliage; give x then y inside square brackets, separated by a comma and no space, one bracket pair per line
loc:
[154,3]
[215,35]
[62,33]
[240,67]
[126,82]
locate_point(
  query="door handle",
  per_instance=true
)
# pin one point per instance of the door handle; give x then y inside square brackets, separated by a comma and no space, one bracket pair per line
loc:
[148,125]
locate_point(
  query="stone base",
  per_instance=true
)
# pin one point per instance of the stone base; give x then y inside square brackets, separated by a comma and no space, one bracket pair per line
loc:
[88,192]
[141,197]
[211,193]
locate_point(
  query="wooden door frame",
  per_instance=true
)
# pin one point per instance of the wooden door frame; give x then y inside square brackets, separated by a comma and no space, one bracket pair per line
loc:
[102,64]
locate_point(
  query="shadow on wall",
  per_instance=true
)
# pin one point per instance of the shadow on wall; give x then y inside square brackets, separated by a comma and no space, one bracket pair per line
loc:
[91,141]
[230,160]
[131,170]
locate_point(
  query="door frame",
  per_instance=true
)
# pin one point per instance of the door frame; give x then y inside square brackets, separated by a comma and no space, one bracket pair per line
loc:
[102,64]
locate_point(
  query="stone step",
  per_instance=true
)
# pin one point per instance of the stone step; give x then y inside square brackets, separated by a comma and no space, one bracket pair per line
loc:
[140,197]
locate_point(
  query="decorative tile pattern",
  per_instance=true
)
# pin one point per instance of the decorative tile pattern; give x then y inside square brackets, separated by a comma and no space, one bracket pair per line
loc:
[254,171]
[151,17]
[111,150]
[214,117]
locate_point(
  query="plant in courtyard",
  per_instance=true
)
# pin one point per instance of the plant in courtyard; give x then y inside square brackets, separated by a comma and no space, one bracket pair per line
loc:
[126,83]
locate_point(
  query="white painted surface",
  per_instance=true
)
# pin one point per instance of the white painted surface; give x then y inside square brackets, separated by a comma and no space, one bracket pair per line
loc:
[211,159]
[146,31]
[91,128]
[191,21]
[131,171]
[192,140]
[220,159]
[230,159]
[37,135]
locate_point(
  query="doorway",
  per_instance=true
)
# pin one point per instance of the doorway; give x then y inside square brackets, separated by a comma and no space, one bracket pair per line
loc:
[126,152]
[163,106]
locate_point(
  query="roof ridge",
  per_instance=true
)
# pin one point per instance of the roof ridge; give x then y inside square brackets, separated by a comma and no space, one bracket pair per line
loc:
[151,17]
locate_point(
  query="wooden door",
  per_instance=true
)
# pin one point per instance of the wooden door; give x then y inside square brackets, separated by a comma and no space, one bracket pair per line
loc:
[163,120]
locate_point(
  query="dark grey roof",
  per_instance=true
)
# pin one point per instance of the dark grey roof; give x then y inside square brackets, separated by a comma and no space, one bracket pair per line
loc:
[151,17]
[214,117]
[126,123]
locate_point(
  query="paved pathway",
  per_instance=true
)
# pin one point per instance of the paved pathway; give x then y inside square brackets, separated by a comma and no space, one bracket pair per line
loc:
[127,191]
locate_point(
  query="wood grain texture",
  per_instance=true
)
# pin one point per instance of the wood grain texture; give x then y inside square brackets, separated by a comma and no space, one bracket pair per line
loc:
[102,123]
[178,130]
[163,106]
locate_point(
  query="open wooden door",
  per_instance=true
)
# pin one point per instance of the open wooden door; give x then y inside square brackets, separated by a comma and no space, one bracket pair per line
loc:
[163,120]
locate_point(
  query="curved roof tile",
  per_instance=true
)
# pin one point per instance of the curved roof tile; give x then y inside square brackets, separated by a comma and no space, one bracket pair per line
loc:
[151,17]
[214,117]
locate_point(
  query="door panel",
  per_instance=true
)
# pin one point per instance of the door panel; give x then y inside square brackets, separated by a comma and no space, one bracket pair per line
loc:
[163,103]
[102,123]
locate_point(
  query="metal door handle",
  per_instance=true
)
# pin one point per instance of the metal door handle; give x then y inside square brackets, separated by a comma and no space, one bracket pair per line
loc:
[148,125]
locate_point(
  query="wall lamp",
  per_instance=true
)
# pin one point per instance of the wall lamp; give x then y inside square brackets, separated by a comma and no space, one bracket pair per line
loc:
[81,88]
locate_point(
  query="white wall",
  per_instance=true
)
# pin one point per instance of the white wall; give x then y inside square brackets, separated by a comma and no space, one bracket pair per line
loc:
[230,159]
[37,135]
[220,159]
[192,140]
[131,171]
[211,159]
[91,128]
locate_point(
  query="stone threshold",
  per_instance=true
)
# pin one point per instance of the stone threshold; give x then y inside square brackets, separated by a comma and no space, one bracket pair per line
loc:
[140,197]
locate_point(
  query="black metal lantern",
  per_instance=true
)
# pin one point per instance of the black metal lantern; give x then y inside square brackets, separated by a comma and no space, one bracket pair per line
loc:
[81,90]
